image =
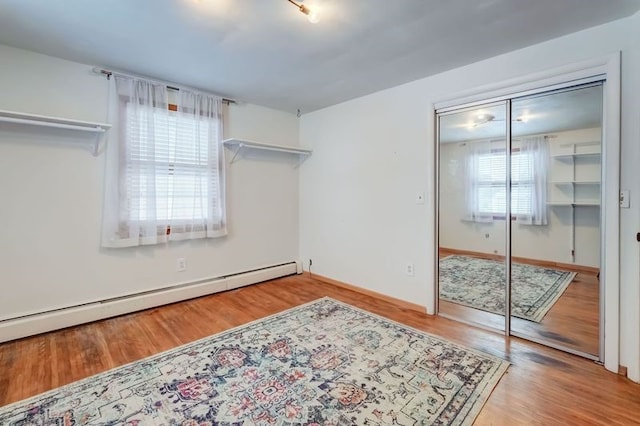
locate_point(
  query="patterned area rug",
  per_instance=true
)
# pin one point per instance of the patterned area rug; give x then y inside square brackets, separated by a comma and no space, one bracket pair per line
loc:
[323,363]
[479,283]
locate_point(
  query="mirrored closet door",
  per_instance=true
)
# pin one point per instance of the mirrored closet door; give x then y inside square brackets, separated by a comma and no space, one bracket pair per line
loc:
[472,209]
[555,210]
[519,230]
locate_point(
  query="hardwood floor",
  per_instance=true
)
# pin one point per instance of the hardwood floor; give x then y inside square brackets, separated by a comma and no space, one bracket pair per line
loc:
[542,386]
[572,322]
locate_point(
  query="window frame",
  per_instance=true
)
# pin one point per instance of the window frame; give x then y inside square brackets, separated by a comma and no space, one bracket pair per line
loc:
[162,229]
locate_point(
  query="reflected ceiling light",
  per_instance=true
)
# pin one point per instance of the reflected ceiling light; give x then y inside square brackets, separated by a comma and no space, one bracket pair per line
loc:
[312,14]
[525,116]
[479,119]
[484,118]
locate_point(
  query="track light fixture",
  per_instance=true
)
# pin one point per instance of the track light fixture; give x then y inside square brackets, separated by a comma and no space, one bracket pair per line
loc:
[312,14]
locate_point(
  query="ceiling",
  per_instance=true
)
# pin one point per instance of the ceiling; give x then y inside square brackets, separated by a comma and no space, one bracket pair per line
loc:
[266,52]
[571,109]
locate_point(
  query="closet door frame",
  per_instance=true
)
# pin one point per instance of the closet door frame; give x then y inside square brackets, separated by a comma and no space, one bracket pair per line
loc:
[606,69]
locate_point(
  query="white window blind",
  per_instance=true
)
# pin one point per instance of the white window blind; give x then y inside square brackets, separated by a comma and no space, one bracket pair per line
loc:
[490,183]
[174,159]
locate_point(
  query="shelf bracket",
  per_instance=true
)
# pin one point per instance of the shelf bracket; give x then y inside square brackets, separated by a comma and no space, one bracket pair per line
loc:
[236,152]
[302,159]
[96,148]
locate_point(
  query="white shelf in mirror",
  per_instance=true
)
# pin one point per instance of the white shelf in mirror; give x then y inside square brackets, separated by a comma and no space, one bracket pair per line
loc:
[21,118]
[576,154]
[579,178]
[241,144]
[576,182]
[592,203]
[583,143]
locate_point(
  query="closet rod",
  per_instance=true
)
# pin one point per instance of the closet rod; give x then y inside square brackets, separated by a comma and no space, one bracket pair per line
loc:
[170,85]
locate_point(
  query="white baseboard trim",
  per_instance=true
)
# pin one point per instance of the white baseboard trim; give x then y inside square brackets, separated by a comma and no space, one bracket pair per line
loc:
[17,328]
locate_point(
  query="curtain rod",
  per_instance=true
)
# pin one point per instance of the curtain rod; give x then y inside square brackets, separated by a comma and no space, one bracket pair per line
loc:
[516,138]
[109,73]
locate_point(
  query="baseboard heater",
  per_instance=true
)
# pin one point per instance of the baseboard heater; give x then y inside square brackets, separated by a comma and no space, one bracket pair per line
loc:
[15,328]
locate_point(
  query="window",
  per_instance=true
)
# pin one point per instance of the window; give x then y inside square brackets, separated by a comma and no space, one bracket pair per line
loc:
[490,183]
[485,189]
[165,176]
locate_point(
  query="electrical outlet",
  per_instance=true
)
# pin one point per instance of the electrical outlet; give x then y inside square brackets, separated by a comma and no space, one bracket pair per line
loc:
[624,199]
[410,270]
[487,236]
[181,264]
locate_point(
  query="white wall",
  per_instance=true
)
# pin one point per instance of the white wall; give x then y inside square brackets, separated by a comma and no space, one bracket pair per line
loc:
[565,231]
[358,218]
[51,198]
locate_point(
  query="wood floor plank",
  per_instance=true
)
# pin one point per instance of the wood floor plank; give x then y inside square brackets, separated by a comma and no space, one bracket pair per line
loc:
[542,386]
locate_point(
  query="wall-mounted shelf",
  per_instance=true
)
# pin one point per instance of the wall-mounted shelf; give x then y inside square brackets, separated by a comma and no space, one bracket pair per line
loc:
[593,203]
[583,143]
[576,155]
[588,184]
[577,182]
[240,145]
[22,118]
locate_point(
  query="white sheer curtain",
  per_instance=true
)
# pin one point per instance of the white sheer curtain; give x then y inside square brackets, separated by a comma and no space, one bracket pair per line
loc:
[530,174]
[165,176]
[478,182]
[485,186]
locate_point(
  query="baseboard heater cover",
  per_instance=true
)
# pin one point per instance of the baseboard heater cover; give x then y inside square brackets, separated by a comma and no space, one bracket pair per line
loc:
[54,320]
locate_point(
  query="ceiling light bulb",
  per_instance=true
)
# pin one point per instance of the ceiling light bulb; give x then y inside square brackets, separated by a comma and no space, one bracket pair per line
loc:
[313,16]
